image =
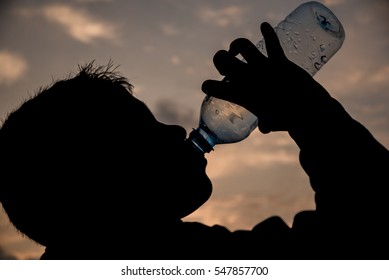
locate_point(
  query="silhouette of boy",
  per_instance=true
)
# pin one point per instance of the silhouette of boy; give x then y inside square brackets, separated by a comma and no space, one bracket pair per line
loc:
[89,173]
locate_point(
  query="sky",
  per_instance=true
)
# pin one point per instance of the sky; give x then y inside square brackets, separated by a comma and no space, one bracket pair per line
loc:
[165,49]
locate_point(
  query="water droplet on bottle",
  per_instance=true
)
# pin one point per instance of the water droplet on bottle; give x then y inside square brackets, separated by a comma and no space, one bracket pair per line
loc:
[317,65]
[313,54]
[217,112]
[295,46]
[307,30]
[297,33]
[322,47]
[324,59]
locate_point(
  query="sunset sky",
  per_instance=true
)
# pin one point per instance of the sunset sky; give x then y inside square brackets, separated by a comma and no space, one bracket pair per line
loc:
[165,49]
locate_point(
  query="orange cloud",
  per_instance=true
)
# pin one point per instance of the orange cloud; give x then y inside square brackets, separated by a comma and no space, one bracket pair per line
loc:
[12,67]
[245,210]
[79,24]
[224,17]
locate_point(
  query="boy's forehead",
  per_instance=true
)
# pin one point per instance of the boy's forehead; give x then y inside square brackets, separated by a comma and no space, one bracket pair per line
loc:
[143,108]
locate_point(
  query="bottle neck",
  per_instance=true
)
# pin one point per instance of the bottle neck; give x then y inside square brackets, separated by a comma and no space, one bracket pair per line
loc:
[202,139]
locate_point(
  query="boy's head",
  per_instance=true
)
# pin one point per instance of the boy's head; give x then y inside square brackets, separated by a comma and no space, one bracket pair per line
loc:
[84,154]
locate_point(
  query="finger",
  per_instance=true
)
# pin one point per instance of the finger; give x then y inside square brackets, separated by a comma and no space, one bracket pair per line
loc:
[246,48]
[226,63]
[272,42]
[218,89]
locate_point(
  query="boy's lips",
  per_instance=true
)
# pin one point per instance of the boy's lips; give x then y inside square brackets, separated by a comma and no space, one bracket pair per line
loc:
[199,157]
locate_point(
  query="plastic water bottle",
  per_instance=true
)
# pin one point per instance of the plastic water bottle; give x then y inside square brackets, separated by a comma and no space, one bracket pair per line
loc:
[310,35]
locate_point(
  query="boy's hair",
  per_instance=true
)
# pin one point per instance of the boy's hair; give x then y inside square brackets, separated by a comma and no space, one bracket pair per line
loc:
[53,146]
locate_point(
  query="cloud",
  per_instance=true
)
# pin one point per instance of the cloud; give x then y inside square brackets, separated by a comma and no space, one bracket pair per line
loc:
[333,3]
[15,245]
[92,1]
[346,80]
[170,112]
[149,49]
[274,17]
[245,210]
[12,67]
[380,76]
[6,256]
[225,17]
[169,30]
[79,24]
[269,151]
[175,60]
